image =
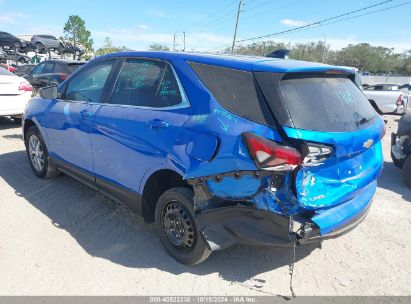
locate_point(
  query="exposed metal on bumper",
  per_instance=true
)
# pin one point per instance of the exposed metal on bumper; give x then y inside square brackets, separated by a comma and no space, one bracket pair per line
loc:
[226,226]
[223,227]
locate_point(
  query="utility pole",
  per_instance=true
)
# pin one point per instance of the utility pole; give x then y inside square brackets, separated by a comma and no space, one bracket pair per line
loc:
[174,42]
[184,41]
[325,47]
[236,25]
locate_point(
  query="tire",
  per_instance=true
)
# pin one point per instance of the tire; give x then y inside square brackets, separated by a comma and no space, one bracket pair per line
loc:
[406,171]
[397,162]
[39,162]
[39,47]
[77,53]
[174,211]
[17,120]
[22,60]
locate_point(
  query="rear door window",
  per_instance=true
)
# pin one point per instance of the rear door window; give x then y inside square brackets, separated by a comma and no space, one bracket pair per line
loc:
[60,68]
[235,90]
[49,67]
[147,83]
[322,103]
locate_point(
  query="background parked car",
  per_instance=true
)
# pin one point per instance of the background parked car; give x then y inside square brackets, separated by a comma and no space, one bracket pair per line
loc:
[44,42]
[387,98]
[401,148]
[24,69]
[15,92]
[10,40]
[51,72]
[9,68]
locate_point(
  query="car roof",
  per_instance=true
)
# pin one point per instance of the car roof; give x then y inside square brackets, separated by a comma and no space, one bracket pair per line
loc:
[240,62]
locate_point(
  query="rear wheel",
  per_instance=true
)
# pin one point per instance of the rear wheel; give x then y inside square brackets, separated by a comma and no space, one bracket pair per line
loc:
[177,228]
[406,171]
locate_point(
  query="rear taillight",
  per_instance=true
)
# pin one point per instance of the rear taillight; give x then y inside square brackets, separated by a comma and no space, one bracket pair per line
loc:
[26,87]
[268,154]
[63,77]
[400,100]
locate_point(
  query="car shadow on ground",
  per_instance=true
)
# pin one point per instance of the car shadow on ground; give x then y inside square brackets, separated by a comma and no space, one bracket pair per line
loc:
[111,231]
[391,179]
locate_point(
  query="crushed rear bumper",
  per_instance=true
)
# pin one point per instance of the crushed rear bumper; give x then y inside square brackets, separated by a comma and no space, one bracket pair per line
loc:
[239,224]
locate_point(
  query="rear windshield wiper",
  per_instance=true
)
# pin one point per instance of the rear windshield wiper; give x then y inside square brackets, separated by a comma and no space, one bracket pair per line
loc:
[361,120]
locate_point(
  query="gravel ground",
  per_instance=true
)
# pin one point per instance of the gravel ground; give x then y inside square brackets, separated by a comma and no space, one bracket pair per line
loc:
[57,237]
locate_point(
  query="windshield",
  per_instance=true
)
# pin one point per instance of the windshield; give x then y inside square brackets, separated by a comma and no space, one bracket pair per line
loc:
[332,104]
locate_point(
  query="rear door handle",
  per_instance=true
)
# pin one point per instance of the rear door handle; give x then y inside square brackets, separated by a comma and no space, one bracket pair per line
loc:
[157,123]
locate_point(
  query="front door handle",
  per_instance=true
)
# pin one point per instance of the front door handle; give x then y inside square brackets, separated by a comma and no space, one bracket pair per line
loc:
[84,114]
[157,123]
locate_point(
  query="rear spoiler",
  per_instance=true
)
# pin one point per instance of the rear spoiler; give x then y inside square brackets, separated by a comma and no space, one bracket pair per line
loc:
[282,53]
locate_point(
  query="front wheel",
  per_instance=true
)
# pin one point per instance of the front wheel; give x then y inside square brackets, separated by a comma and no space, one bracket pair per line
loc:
[177,228]
[406,171]
[37,154]
[39,47]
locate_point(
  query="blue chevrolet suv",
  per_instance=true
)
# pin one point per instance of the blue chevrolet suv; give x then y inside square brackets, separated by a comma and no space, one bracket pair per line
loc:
[215,149]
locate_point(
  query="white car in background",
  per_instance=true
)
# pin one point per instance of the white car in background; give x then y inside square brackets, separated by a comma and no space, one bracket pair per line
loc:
[15,92]
[388,98]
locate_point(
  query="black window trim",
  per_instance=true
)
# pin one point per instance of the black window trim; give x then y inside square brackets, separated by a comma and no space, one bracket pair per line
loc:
[274,124]
[182,105]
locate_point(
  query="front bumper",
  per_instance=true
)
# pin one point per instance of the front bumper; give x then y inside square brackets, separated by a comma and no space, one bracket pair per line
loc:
[226,226]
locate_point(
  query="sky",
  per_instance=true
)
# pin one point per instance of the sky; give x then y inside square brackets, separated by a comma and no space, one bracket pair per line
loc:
[209,24]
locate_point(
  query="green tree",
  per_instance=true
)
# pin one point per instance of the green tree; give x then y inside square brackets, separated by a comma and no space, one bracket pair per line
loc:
[158,47]
[108,47]
[365,57]
[75,30]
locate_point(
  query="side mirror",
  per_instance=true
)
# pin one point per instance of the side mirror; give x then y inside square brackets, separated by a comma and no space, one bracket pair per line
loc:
[49,92]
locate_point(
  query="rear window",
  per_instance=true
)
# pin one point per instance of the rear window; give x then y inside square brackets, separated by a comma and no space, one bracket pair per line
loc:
[73,67]
[4,72]
[332,104]
[235,90]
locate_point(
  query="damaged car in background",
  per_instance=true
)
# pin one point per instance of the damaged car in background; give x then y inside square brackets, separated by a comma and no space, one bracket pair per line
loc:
[401,148]
[216,150]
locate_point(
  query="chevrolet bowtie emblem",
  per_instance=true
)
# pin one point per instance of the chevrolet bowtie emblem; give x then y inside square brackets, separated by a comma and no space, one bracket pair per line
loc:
[368,143]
